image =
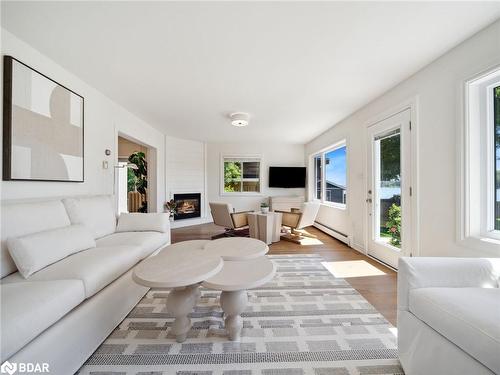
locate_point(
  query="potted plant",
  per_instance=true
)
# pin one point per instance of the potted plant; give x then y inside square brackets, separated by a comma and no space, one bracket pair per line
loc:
[264,208]
[171,208]
[137,179]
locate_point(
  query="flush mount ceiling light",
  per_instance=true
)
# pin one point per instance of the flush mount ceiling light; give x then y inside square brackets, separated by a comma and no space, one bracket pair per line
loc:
[239,119]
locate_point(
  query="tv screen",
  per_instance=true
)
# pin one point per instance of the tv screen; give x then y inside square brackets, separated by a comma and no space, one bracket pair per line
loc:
[287,177]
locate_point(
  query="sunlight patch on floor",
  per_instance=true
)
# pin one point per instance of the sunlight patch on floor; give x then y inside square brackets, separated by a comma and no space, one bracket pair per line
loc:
[352,268]
[308,241]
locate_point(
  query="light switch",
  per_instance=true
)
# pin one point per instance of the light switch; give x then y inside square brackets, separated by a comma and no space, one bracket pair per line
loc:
[104,164]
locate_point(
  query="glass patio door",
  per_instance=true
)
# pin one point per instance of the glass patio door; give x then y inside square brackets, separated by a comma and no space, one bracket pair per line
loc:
[389,188]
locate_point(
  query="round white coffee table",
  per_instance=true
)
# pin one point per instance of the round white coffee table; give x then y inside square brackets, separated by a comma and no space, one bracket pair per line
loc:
[235,278]
[237,248]
[188,245]
[183,271]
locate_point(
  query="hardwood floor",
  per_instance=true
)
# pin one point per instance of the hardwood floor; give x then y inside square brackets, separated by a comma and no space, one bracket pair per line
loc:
[379,290]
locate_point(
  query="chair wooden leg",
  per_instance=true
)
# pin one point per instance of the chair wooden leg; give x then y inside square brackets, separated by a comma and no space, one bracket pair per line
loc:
[292,237]
[303,233]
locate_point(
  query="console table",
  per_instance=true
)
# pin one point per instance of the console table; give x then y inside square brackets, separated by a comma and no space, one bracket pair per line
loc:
[286,203]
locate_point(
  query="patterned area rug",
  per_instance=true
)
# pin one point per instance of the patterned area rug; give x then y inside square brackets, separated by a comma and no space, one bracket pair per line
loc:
[305,321]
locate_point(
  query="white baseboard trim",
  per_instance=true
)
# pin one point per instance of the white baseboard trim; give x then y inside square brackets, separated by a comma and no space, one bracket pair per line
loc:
[331,232]
[359,247]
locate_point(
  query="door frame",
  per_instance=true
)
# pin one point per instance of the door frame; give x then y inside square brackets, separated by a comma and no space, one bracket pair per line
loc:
[152,160]
[412,104]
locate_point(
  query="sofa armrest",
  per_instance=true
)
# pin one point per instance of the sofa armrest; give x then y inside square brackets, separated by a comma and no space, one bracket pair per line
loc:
[143,222]
[434,272]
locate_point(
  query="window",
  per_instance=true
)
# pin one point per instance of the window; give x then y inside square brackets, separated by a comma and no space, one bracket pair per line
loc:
[496,132]
[481,182]
[335,175]
[330,181]
[241,175]
[317,177]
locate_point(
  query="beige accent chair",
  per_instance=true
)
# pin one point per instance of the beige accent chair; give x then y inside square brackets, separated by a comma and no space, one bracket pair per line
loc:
[225,216]
[298,219]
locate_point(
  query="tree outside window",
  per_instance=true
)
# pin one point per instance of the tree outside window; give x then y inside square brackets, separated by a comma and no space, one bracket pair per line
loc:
[241,176]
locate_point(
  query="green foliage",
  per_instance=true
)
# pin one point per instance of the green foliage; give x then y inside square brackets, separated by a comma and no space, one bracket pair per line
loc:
[497,116]
[393,225]
[390,155]
[232,176]
[131,180]
[141,176]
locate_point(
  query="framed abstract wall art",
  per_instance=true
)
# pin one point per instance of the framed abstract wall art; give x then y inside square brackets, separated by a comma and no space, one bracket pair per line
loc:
[43,127]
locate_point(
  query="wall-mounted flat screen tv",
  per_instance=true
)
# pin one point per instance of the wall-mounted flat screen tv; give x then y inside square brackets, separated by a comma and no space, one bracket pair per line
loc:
[287,177]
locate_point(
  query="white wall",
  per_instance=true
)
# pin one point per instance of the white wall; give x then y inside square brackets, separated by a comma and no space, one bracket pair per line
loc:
[439,88]
[104,119]
[185,171]
[272,154]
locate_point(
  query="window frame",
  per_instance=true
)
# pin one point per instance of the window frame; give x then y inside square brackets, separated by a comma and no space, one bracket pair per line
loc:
[488,229]
[240,158]
[477,158]
[312,176]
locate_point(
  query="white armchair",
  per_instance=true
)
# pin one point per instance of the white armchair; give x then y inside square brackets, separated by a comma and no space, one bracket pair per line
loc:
[224,216]
[449,315]
[299,219]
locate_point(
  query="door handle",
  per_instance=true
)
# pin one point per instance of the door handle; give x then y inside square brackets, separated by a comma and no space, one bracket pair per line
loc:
[368,200]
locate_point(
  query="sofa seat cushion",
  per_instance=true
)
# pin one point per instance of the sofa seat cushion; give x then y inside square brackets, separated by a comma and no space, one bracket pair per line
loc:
[28,308]
[96,267]
[468,317]
[147,241]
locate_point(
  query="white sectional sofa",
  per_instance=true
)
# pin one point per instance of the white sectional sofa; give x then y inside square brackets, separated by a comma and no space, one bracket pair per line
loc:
[449,316]
[61,313]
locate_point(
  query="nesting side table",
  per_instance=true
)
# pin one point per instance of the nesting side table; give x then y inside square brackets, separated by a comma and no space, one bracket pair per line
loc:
[235,278]
[182,271]
[265,227]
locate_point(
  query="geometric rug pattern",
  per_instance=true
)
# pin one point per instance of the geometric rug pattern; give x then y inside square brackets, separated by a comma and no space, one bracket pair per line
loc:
[304,322]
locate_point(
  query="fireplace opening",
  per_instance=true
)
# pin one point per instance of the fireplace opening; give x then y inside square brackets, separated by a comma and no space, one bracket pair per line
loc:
[188,206]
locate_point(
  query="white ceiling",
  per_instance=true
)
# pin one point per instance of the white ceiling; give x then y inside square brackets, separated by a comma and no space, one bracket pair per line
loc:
[296,67]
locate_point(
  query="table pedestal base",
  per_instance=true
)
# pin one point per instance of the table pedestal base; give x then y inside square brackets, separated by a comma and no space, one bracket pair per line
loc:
[233,304]
[180,303]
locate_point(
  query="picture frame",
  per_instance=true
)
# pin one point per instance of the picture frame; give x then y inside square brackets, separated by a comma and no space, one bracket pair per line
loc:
[43,127]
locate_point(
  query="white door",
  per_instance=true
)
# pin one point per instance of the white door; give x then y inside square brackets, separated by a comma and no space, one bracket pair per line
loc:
[389,188]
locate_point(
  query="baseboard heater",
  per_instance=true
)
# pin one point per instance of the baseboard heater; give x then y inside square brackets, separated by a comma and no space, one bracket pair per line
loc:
[332,232]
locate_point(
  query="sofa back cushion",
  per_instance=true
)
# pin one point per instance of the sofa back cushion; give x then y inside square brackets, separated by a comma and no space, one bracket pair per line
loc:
[35,251]
[19,219]
[96,213]
[142,222]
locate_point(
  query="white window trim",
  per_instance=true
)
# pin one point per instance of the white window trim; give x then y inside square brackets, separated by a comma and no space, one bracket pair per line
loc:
[243,157]
[312,172]
[476,219]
